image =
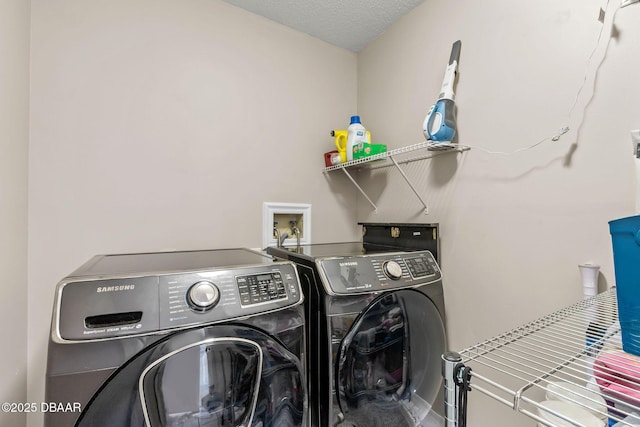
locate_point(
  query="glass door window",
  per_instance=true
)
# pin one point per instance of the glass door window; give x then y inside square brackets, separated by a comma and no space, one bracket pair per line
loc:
[388,369]
[213,383]
[219,376]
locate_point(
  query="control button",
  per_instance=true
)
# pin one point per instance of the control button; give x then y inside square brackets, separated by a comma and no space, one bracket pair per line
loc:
[203,295]
[420,267]
[392,270]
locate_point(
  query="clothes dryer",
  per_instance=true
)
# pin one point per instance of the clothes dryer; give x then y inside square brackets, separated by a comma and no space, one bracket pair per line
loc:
[193,338]
[375,331]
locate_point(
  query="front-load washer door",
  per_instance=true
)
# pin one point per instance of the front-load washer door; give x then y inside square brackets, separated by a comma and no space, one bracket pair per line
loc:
[388,369]
[220,376]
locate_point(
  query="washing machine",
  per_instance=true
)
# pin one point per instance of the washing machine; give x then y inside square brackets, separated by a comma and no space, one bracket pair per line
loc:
[190,338]
[376,333]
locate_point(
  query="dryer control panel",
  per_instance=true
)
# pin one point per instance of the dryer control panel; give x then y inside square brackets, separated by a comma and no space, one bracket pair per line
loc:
[378,272]
[105,308]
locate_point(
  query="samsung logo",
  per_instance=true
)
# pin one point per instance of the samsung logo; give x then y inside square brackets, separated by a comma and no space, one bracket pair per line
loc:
[115,288]
[350,263]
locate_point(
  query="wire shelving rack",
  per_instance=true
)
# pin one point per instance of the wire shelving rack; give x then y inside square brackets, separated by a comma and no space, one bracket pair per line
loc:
[524,366]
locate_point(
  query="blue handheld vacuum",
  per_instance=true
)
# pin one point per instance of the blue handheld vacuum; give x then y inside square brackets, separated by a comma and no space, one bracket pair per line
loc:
[440,123]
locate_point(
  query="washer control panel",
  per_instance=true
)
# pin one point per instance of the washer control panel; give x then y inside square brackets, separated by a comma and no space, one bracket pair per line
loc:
[378,272]
[113,307]
[261,288]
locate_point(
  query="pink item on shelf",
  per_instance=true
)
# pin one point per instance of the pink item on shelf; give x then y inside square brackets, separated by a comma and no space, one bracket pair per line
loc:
[618,375]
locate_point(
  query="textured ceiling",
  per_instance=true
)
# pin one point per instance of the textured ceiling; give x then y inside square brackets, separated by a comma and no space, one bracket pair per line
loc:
[350,24]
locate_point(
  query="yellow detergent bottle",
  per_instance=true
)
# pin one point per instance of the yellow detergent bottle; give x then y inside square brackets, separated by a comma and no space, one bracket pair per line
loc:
[341,143]
[341,136]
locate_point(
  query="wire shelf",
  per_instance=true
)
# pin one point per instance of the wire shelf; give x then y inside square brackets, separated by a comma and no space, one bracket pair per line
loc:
[428,145]
[437,148]
[554,356]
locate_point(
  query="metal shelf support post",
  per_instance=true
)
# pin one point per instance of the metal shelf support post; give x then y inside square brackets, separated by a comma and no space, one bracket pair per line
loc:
[449,363]
[375,208]
[406,178]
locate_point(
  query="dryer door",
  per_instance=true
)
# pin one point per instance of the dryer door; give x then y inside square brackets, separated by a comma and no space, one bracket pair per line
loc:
[216,376]
[389,364]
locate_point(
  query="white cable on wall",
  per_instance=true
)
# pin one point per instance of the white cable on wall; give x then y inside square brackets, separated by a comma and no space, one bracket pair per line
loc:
[565,129]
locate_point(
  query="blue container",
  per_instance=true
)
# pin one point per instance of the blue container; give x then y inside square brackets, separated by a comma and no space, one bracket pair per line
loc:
[625,236]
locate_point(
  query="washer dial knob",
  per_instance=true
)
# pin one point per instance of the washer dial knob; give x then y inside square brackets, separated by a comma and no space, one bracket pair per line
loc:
[392,270]
[203,295]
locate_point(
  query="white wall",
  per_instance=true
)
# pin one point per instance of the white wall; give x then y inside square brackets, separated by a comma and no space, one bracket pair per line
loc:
[158,124]
[14,138]
[513,227]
